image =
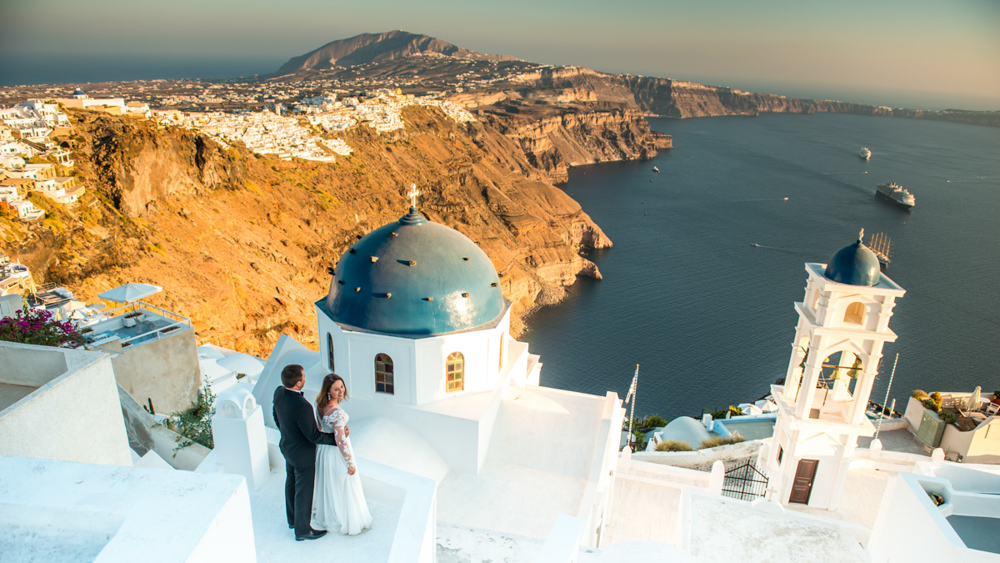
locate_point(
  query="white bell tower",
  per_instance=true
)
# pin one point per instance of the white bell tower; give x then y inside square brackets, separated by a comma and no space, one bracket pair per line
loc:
[843,324]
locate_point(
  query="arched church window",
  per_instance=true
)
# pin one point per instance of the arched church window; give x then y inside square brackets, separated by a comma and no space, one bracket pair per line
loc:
[384,375]
[455,368]
[855,313]
[329,351]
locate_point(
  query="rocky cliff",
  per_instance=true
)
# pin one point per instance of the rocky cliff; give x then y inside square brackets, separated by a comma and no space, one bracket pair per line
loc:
[242,243]
[552,143]
[674,98]
[138,164]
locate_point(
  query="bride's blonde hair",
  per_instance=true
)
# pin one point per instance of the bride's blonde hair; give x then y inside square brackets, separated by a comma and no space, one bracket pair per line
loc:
[323,399]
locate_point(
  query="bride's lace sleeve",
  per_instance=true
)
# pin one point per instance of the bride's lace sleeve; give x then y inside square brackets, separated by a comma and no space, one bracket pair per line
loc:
[339,429]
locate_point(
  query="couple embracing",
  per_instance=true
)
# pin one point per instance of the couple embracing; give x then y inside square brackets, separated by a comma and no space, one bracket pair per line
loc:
[322,486]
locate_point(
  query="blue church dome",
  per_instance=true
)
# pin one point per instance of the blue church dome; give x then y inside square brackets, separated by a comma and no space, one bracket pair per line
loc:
[855,264]
[415,277]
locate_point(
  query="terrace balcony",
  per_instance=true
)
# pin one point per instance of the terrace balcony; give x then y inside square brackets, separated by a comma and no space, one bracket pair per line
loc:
[135,324]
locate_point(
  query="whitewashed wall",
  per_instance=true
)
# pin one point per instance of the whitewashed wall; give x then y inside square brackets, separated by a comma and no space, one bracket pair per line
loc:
[419,364]
[74,415]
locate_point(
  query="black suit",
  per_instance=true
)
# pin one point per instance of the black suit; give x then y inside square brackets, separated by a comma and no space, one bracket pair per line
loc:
[299,435]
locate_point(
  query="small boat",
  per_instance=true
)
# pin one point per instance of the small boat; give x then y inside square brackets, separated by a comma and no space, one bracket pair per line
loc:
[895,193]
[754,244]
[657,170]
[864,153]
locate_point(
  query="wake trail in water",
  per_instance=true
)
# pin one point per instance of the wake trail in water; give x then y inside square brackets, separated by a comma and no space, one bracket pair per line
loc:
[792,251]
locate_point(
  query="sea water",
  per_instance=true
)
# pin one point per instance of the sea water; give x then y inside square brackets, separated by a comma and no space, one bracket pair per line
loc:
[710,318]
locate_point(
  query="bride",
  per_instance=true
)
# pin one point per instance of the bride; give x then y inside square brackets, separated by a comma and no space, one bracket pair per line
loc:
[337,497]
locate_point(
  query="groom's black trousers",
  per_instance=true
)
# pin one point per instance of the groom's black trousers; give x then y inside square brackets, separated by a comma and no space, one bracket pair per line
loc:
[299,483]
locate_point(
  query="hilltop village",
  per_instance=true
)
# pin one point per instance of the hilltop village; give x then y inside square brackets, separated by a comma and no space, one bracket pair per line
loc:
[31,155]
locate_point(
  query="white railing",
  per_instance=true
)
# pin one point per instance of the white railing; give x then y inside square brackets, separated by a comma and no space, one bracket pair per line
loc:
[120,317]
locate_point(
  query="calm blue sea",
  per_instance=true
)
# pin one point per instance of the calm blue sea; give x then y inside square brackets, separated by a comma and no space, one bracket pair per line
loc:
[710,318]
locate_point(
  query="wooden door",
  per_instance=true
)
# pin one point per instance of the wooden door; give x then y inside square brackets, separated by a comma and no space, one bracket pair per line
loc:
[803,483]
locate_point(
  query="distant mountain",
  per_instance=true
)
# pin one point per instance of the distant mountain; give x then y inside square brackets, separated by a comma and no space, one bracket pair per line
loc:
[381,47]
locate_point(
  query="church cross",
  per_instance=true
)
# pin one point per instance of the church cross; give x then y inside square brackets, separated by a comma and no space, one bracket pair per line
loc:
[413,193]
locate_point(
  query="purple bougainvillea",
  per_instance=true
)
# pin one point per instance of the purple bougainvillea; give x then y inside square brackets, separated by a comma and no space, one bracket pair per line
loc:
[37,326]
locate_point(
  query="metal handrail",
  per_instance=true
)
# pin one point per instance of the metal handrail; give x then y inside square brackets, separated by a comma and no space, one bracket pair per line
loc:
[136,306]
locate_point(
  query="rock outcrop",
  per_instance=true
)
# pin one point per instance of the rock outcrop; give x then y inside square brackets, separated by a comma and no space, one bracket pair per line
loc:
[554,143]
[139,164]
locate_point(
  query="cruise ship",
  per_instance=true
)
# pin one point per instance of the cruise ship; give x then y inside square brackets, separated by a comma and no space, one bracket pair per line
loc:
[895,193]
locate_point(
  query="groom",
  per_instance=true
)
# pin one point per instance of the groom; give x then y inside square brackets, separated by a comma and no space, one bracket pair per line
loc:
[299,435]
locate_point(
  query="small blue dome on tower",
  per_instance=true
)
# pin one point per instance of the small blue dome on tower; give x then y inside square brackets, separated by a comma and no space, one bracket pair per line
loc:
[855,264]
[414,277]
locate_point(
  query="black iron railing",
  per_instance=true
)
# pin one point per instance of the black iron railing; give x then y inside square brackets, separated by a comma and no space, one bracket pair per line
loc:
[745,482]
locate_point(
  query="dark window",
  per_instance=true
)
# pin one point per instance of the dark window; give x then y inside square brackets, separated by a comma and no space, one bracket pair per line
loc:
[329,351]
[384,377]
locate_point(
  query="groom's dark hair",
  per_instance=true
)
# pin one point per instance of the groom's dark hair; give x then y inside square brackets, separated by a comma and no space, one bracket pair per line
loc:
[291,374]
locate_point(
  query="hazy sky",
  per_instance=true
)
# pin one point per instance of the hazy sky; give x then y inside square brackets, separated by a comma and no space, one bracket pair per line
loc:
[918,53]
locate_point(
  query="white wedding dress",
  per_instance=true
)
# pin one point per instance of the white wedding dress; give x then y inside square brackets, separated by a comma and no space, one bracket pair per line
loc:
[338,501]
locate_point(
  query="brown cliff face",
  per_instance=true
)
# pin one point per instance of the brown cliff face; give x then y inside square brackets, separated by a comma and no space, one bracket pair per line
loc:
[674,98]
[242,243]
[559,139]
[140,164]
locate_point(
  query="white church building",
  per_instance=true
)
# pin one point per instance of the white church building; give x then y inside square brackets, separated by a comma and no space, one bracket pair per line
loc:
[416,323]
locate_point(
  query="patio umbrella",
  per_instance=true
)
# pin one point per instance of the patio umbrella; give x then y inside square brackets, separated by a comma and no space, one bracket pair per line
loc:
[975,399]
[130,292]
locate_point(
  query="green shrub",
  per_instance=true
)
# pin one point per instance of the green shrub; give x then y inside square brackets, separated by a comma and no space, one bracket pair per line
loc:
[645,424]
[996,394]
[673,446]
[948,416]
[653,421]
[721,441]
[640,442]
[719,414]
[929,404]
[194,426]
[919,394]
[937,398]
